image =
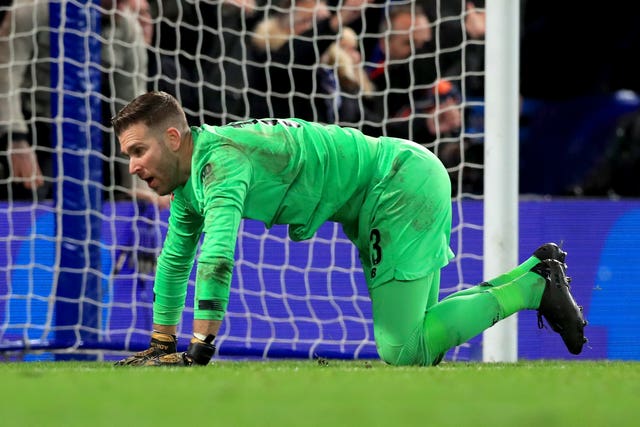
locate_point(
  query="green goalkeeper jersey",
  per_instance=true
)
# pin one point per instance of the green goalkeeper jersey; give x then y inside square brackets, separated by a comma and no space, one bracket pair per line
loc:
[275,171]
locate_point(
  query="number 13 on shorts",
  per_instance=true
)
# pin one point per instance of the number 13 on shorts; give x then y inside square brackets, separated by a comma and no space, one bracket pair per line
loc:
[375,250]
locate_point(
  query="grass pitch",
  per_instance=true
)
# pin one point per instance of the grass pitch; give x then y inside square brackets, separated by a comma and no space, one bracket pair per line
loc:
[308,393]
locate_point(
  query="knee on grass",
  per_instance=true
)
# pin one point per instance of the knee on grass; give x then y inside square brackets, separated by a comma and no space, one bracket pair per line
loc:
[412,352]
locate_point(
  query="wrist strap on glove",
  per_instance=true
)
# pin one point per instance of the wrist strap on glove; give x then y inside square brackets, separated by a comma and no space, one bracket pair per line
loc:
[200,351]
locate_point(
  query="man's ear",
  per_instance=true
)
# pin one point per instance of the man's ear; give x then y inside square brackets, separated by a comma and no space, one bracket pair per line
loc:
[174,138]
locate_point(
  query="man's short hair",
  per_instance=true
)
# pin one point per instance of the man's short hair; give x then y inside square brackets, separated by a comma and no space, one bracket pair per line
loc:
[153,109]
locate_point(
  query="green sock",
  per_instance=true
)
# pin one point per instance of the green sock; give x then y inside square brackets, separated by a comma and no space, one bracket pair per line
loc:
[454,321]
[523,293]
[515,273]
[500,280]
[467,313]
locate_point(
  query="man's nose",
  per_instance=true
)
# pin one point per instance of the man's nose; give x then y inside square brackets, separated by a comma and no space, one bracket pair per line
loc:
[133,166]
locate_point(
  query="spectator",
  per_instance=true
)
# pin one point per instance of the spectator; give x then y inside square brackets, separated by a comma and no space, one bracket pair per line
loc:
[124,53]
[405,30]
[22,177]
[345,87]
[438,116]
[437,124]
[460,32]
[123,61]
[616,172]
[198,54]
[127,29]
[287,46]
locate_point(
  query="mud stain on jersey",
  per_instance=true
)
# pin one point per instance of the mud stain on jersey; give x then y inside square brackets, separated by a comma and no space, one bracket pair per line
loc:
[425,216]
[274,159]
[219,271]
[207,176]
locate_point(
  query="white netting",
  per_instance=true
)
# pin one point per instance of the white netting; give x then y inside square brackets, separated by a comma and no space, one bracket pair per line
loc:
[223,63]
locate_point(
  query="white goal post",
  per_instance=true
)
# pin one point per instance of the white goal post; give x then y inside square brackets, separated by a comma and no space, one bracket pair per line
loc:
[501,164]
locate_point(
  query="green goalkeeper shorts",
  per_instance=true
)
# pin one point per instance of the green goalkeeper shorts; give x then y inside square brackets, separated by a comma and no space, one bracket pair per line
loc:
[405,222]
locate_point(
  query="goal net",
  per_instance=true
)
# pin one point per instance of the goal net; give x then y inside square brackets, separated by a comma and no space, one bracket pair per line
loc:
[77,253]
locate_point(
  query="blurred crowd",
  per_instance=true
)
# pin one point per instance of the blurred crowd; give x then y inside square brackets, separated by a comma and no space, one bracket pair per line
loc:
[411,69]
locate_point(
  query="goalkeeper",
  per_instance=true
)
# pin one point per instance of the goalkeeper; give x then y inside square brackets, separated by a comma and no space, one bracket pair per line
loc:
[391,196]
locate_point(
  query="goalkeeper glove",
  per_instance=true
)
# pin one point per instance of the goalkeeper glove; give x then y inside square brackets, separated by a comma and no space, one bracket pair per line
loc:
[199,352]
[160,344]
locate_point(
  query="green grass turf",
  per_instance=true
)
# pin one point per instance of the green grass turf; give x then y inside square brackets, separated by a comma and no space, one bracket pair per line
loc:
[308,393]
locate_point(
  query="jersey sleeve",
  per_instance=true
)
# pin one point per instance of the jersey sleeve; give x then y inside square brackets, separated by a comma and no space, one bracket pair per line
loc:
[175,263]
[224,181]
